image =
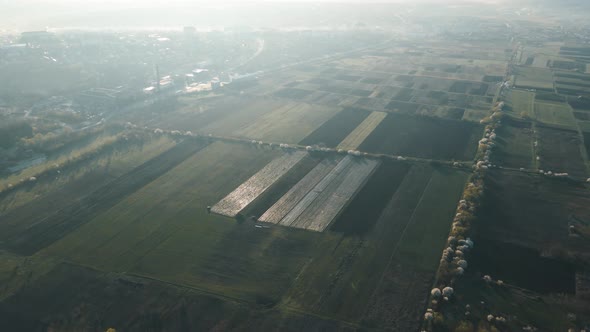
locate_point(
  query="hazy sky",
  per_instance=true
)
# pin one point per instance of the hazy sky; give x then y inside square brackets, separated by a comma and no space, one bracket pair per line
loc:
[216,2]
[40,14]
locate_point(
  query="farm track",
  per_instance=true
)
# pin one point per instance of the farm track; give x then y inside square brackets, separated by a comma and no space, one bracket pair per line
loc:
[25,233]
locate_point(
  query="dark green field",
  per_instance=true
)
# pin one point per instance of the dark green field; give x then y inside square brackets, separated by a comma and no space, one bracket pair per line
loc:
[422,137]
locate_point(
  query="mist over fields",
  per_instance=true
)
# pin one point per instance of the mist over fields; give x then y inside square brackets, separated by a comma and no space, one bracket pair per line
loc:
[383,166]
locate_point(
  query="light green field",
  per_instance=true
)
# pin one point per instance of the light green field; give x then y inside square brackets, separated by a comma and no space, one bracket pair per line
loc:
[523,103]
[240,113]
[534,78]
[555,113]
[289,123]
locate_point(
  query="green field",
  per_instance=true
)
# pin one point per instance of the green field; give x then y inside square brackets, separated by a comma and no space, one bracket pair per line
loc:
[164,232]
[556,114]
[410,230]
[166,224]
[523,103]
[278,125]
[534,78]
[514,145]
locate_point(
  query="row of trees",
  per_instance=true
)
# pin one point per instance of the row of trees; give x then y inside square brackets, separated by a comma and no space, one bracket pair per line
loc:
[454,259]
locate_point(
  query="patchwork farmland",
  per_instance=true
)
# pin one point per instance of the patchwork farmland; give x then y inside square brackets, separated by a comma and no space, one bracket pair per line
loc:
[319,195]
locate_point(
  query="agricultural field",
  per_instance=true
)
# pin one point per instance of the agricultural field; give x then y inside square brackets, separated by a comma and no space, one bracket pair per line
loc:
[83,175]
[318,198]
[535,244]
[534,78]
[161,220]
[289,200]
[248,191]
[354,82]
[260,118]
[211,115]
[356,138]
[30,308]
[277,126]
[555,114]
[522,103]
[423,137]
[560,151]
[514,145]
[25,231]
[336,129]
[408,216]
[219,227]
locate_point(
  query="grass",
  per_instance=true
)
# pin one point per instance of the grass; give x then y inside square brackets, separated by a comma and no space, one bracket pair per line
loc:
[514,145]
[538,221]
[524,307]
[105,166]
[28,230]
[230,116]
[430,222]
[129,303]
[424,137]
[523,103]
[522,239]
[561,151]
[163,231]
[289,123]
[555,113]
[336,282]
[534,78]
